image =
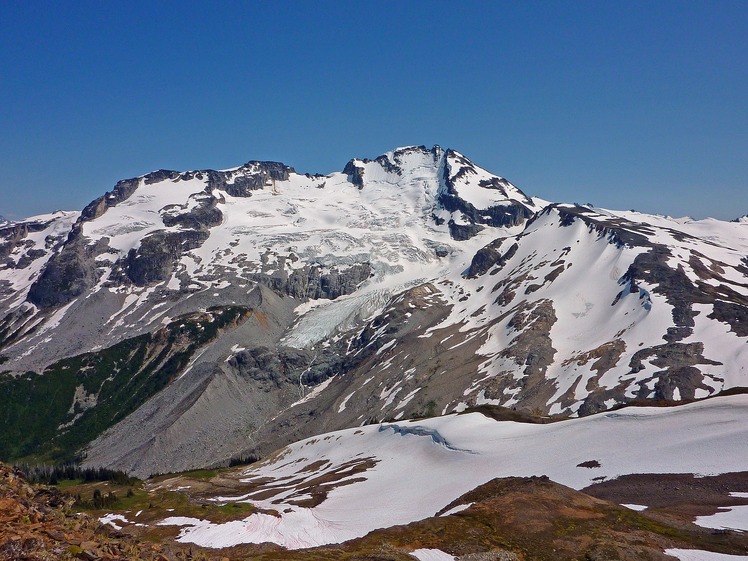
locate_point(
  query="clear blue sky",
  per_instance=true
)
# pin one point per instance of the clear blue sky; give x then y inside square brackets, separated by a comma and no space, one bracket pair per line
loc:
[622,104]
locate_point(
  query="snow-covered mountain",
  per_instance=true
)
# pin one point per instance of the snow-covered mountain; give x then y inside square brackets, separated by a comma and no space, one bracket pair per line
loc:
[187,317]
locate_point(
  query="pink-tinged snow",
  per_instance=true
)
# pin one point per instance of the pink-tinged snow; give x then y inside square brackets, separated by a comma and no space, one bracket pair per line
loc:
[729,517]
[699,555]
[420,467]
[111,520]
[431,555]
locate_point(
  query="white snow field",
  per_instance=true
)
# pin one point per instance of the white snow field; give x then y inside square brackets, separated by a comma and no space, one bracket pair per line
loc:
[699,555]
[416,468]
[431,555]
[729,518]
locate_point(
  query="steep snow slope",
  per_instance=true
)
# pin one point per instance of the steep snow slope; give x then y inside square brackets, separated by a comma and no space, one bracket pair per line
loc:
[25,248]
[407,471]
[599,308]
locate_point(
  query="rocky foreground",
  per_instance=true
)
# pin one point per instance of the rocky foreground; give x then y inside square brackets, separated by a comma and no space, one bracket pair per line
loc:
[511,519]
[37,523]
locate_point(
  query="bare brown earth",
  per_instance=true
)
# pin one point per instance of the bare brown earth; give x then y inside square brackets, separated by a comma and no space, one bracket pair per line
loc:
[38,524]
[675,498]
[512,519]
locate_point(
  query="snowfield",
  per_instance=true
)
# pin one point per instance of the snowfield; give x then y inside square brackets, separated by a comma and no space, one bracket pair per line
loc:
[699,555]
[416,468]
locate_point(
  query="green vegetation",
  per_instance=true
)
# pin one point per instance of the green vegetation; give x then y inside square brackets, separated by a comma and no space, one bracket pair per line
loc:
[98,501]
[155,504]
[201,473]
[64,474]
[49,417]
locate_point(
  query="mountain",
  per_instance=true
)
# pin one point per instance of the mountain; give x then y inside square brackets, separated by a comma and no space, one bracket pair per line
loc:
[185,318]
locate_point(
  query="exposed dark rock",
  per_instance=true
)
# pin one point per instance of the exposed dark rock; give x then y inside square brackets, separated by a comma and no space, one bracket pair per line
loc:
[672,355]
[160,175]
[435,153]
[735,315]
[393,321]
[674,284]
[122,191]
[355,174]
[29,257]
[387,165]
[510,214]
[462,232]
[66,276]
[271,367]
[743,268]
[252,176]
[12,235]
[158,253]
[496,216]
[204,215]
[499,184]
[594,403]
[311,282]
[618,231]
[15,325]
[487,257]
[686,379]
[606,357]
[532,350]
[678,362]
[71,272]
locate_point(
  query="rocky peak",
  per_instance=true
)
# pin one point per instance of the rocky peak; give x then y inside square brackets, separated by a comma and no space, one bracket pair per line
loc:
[476,198]
[252,176]
[402,162]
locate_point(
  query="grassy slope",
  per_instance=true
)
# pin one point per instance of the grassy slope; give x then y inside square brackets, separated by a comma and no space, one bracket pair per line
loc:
[530,518]
[33,407]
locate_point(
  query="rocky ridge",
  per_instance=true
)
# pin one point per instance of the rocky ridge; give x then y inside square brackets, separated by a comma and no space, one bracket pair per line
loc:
[37,523]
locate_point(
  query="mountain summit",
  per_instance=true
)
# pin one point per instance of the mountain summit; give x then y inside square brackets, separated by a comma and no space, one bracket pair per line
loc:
[184,318]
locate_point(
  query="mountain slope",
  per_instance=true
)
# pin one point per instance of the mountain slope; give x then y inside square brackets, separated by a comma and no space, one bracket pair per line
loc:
[413,284]
[311,492]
